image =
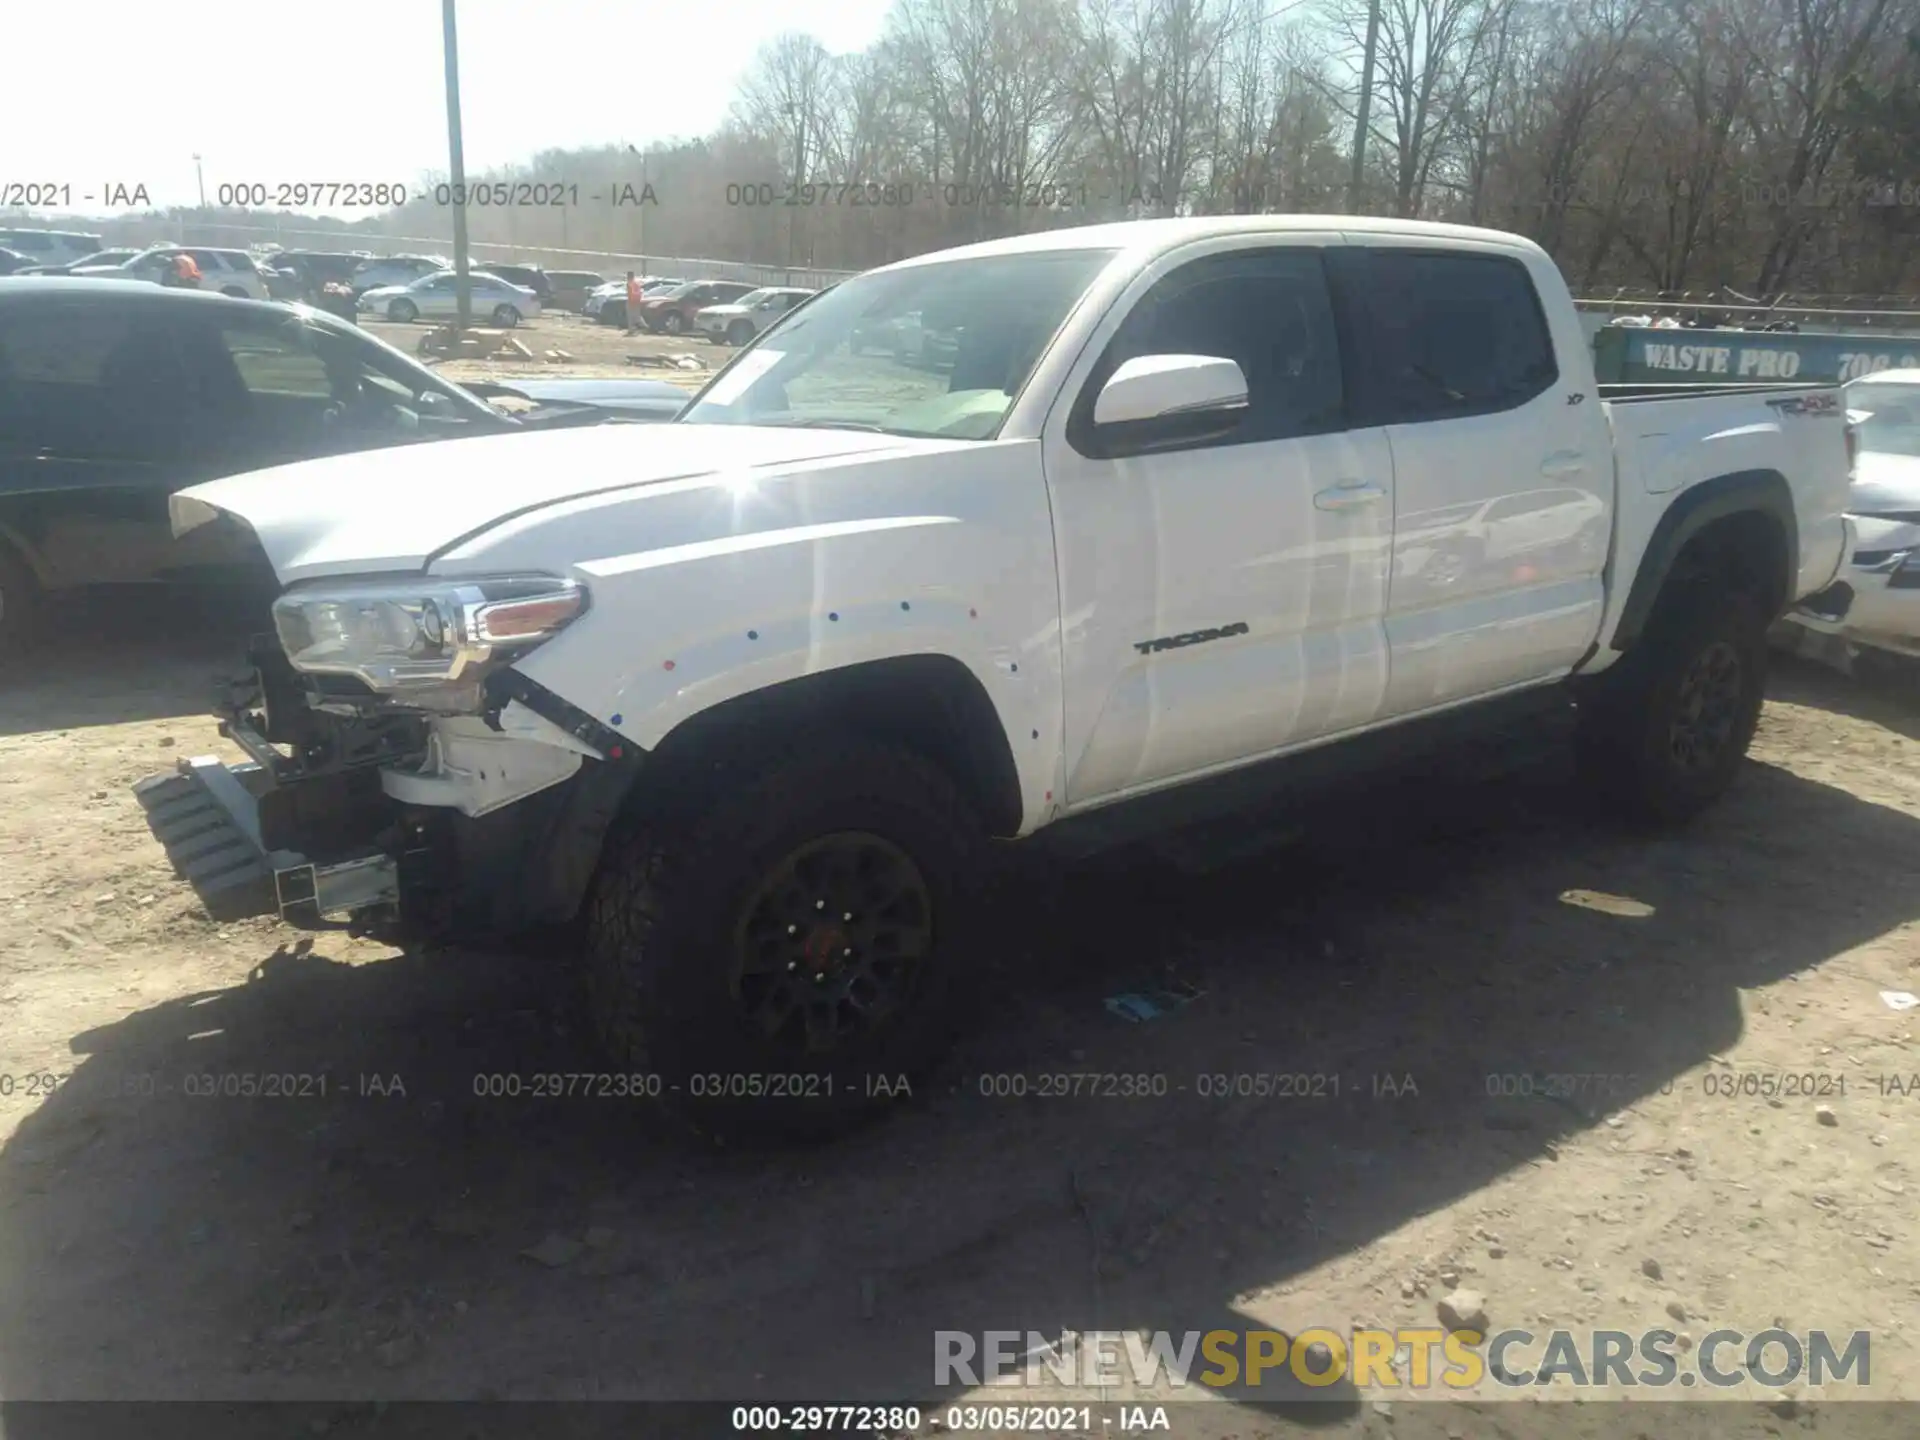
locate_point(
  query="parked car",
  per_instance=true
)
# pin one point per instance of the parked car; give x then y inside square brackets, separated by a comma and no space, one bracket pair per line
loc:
[226,272]
[760,744]
[302,273]
[49,247]
[671,312]
[99,259]
[572,287]
[527,277]
[113,396]
[608,302]
[437,297]
[740,321]
[378,272]
[1877,602]
[12,262]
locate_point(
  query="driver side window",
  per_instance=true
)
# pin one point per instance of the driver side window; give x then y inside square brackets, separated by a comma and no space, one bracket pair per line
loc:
[1270,311]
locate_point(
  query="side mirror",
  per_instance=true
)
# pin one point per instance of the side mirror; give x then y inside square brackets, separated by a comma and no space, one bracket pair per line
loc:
[1167,387]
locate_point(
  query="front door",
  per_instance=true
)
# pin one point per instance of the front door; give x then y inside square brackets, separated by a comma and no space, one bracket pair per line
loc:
[1225,599]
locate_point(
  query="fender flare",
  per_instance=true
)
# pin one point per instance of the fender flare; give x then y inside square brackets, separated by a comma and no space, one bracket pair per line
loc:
[1739,492]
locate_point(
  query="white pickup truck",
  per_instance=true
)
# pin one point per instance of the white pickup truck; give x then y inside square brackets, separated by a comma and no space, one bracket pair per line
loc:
[1188,508]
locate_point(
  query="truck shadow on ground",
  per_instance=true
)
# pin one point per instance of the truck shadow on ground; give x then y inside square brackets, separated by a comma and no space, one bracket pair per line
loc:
[369,1242]
[107,657]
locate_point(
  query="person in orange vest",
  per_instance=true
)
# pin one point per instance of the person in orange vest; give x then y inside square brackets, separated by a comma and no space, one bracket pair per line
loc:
[634,298]
[185,273]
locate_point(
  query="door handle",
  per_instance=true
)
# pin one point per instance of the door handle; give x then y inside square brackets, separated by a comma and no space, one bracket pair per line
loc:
[1563,463]
[1348,495]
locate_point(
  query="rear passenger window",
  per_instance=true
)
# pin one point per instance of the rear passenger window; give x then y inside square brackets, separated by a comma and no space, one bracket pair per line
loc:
[1267,310]
[277,363]
[1446,334]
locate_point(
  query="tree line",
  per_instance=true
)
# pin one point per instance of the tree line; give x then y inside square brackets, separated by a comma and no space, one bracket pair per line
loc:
[1764,145]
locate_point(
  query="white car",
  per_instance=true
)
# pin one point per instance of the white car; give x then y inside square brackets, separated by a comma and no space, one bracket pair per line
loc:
[50,247]
[229,272]
[739,322]
[754,693]
[1877,602]
[437,297]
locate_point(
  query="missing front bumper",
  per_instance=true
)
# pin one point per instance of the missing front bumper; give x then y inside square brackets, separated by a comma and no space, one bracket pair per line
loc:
[206,816]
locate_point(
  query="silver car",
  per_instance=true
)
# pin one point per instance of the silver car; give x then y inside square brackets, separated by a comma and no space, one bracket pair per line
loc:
[379,271]
[437,297]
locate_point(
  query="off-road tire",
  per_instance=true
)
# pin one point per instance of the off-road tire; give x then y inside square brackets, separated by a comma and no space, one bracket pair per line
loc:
[22,607]
[665,909]
[1633,719]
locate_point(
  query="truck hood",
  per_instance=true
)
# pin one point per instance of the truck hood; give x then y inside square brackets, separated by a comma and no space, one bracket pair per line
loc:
[390,510]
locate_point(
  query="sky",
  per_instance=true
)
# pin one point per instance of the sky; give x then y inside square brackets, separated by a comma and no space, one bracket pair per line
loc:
[127,94]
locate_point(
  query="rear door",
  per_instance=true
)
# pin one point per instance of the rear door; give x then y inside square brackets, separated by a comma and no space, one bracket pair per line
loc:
[1503,469]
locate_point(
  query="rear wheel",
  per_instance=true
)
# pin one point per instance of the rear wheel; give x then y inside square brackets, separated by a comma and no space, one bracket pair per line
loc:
[781,962]
[505,316]
[1663,733]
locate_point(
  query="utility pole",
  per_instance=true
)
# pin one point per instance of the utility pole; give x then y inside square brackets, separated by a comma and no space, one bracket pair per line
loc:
[200,175]
[457,167]
[1366,104]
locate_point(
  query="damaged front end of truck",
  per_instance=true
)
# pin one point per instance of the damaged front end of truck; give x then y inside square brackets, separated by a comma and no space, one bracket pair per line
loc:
[403,780]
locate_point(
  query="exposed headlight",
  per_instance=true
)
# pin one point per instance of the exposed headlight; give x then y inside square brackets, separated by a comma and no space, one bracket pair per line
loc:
[402,637]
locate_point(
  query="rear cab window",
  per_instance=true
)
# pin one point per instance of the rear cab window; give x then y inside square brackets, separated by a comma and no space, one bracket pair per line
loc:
[1442,334]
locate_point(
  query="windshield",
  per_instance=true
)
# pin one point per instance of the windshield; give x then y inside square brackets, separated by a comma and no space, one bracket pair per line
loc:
[938,349]
[754,297]
[1892,426]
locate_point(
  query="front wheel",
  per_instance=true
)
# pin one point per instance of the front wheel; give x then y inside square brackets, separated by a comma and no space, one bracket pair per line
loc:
[783,960]
[1663,732]
[739,333]
[403,312]
[505,316]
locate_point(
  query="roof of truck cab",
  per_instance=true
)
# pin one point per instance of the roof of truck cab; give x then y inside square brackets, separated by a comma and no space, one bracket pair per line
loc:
[1153,236]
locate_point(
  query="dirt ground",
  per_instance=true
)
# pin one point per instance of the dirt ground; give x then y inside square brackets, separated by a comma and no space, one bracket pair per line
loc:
[592,349]
[158,1242]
